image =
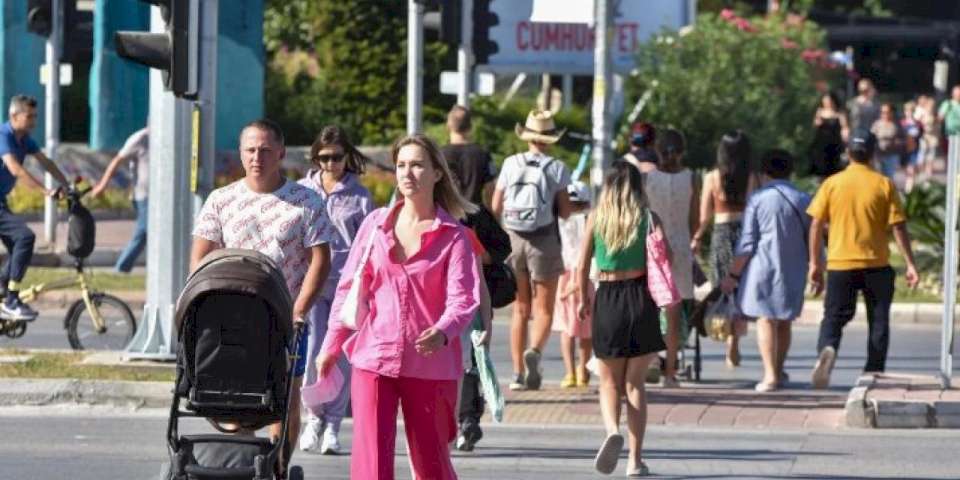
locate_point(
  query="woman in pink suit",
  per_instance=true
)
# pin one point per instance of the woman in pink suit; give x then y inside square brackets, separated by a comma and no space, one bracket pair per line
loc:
[421,284]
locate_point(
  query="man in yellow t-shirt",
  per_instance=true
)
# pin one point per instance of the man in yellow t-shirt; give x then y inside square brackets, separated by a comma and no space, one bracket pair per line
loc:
[860,205]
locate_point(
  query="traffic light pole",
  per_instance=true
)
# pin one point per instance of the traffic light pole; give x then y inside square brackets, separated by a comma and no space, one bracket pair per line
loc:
[202,170]
[169,217]
[465,53]
[602,127]
[52,115]
[950,264]
[414,66]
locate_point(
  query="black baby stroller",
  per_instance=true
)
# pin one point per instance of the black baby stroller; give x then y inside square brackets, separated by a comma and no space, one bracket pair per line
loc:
[234,325]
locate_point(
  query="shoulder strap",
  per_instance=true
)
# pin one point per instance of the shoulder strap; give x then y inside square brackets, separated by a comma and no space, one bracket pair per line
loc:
[796,211]
[358,272]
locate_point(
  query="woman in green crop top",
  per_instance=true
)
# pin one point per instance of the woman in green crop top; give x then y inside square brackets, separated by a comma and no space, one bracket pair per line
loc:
[626,326]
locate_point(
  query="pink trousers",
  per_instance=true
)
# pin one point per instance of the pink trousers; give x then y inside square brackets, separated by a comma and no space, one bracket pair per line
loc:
[428,415]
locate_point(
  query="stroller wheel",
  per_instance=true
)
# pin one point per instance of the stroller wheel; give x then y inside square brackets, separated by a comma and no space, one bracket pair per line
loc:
[295,473]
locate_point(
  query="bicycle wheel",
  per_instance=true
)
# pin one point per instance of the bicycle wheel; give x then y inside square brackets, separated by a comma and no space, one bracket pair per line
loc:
[117,318]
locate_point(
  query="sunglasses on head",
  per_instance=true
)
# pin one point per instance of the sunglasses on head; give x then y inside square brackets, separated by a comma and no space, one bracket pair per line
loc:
[329,158]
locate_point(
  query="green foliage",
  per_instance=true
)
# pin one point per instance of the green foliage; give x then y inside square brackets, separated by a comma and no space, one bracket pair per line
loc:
[28,200]
[925,208]
[340,62]
[758,74]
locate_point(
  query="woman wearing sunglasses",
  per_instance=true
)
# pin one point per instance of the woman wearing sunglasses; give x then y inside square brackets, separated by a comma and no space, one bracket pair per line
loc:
[337,179]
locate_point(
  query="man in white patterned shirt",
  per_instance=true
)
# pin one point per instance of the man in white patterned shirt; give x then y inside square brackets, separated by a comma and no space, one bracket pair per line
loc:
[268,213]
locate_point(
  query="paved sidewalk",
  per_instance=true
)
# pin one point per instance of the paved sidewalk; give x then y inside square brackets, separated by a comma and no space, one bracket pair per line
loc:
[716,405]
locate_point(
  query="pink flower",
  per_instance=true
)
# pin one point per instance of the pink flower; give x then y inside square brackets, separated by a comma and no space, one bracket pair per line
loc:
[727,14]
[744,25]
[788,44]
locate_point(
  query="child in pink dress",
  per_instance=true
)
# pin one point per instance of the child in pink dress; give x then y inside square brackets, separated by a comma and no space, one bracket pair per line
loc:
[567,307]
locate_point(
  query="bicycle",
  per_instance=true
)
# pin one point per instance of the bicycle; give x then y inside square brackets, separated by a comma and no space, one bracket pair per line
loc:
[98,320]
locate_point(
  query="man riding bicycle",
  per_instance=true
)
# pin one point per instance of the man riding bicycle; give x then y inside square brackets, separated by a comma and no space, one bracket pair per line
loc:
[15,145]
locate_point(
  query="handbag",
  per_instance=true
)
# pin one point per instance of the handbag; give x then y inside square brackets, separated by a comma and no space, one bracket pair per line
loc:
[660,281]
[353,311]
[501,283]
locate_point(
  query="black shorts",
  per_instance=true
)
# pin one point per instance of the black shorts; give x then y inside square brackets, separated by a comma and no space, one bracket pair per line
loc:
[626,321]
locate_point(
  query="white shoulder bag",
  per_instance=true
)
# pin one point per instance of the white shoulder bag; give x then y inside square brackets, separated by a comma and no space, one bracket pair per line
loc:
[353,311]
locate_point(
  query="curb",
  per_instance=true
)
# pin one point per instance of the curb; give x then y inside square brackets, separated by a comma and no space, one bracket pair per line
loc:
[863,412]
[41,392]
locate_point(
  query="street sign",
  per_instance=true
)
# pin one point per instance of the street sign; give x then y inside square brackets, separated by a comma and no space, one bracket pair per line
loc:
[563,11]
[66,74]
[524,45]
[483,83]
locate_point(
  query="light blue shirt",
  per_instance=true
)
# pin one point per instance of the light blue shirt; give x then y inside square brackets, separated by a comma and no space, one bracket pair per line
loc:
[775,226]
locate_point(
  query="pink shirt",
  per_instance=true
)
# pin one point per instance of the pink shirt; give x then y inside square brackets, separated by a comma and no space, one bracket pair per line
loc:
[436,287]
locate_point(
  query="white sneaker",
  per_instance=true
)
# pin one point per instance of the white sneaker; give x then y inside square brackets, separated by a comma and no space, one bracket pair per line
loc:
[310,438]
[331,444]
[821,371]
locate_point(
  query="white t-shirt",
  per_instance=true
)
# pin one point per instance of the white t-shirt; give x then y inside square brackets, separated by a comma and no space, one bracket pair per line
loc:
[572,231]
[137,149]
[283,225]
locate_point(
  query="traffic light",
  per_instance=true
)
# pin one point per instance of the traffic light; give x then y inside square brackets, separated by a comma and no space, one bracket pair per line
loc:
[77,44]
[446,21]
[40,17]
[175,52]
[483,20]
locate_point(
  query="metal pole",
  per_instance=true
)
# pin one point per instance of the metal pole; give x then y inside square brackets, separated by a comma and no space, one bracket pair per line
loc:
[169,217]
[950,264]
[52,115]
[544,91]
[209,32]
[567,91]
[414,65]
[602,156]
[851,88]
[465,53]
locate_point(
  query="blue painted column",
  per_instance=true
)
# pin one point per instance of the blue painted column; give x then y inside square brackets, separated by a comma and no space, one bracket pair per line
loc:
[241,57]
[118,88]
[21,55]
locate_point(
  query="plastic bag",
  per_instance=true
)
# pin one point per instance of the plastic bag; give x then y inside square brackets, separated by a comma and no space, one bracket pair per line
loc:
[488,376]
[720,316]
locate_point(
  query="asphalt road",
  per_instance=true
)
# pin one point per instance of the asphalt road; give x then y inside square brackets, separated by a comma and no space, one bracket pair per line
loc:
[914,348]
[87,443]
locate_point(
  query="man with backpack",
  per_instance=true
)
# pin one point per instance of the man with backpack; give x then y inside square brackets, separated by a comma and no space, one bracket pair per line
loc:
[531,192]
[15,145]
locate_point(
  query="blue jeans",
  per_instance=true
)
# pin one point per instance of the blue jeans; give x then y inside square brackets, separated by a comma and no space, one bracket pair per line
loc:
[19,240]
[138,242]
[889,164]
[319,317]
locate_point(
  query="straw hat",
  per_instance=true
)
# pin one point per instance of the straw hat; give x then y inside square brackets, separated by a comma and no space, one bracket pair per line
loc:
[539,127]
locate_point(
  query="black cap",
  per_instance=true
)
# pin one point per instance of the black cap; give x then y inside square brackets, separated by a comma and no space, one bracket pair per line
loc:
[865,143]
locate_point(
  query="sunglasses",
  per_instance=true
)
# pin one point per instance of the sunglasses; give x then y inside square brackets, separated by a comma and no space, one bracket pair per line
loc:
[329,158]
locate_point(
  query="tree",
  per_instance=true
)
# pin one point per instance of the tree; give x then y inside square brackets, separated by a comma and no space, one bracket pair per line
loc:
[760,75]
[341,62]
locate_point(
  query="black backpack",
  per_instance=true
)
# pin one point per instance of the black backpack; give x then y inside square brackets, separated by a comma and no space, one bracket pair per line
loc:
[81,231]
[500,279]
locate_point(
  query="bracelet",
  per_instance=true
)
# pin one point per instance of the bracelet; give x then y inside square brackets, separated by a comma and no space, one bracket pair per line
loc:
[735,277]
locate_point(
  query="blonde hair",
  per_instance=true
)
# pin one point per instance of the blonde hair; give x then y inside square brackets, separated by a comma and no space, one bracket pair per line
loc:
[445,192]
[621,207]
